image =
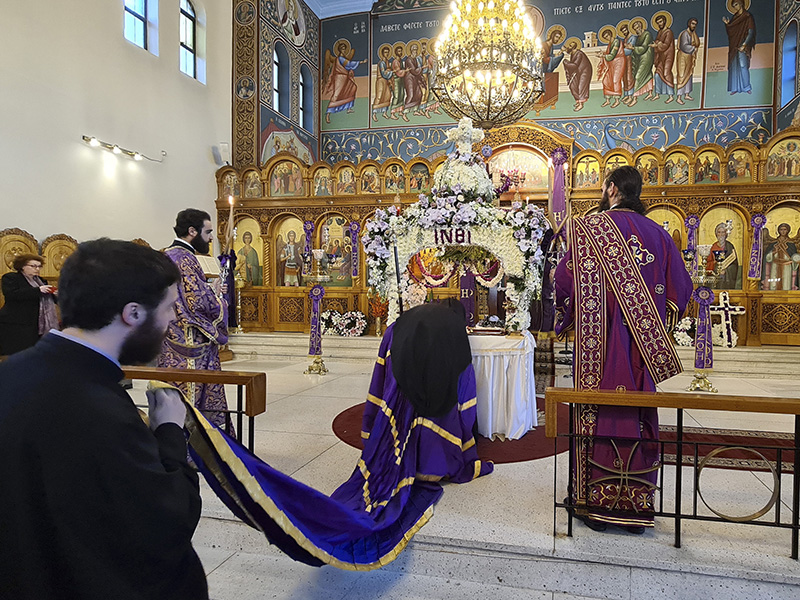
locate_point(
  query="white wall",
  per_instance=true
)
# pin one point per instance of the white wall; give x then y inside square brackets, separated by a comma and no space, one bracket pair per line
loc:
[66,71]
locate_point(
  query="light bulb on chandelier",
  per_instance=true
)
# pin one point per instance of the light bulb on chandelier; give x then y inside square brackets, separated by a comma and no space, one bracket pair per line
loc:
[491,73]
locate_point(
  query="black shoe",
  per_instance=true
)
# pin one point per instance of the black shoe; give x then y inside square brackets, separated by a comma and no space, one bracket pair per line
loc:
[591,523]
[635,529]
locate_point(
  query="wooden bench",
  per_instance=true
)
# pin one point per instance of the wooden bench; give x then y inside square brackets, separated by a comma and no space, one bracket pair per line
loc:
[251,390]
[681,402]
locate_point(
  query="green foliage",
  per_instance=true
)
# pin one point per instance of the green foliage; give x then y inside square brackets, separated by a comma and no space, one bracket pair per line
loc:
[470,255]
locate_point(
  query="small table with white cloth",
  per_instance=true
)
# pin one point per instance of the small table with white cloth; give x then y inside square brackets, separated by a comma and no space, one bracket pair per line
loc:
[504,370]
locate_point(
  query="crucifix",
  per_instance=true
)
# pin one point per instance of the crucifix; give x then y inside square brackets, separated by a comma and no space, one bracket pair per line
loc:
[464,136]
[726,311]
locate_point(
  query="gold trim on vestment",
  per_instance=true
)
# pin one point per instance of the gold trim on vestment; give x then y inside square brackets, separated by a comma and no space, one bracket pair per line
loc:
[468,404]
[633,297]
[673,314]
[258,496]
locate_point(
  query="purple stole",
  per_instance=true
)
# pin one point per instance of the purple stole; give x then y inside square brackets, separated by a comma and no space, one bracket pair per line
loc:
[604,258]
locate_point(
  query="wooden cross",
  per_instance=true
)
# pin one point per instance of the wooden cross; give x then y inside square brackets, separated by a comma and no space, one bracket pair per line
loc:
[726,311]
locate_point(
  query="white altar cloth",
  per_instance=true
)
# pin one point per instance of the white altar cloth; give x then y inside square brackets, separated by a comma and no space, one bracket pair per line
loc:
[506,387]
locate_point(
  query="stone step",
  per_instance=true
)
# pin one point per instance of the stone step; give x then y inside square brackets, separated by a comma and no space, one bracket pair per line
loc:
[773,362]
[764,362]
[292,346]
[530,571]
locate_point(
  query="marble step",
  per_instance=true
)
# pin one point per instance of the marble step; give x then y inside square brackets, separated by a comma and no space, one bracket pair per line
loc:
[291,346]
[764,362]
[527,572]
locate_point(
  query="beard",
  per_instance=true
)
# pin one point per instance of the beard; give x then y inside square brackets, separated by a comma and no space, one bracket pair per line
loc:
[721,240]
[200,245]
[605,202]
[143,344]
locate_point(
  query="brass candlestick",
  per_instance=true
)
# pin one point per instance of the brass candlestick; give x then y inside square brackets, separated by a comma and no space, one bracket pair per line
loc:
[703,278]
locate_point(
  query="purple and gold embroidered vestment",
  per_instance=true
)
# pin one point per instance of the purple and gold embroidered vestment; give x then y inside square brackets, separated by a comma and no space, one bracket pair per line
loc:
[194,338]
[621,285]
[390,494]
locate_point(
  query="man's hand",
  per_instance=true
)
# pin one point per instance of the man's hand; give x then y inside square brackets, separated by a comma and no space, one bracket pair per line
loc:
[165,406]
[220,288]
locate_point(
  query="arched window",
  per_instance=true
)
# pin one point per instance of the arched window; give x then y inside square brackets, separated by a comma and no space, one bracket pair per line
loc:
[306,99]
[789,64]
[188,27]
[280,80]
[136,22]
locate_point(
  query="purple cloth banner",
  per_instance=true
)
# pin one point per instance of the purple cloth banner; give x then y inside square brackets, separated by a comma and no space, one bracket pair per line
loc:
[558,202]
[315,340]
[354,228]
[364,524]
[756,252]
[703,345]
[692,225]
[308,227]
[467,285]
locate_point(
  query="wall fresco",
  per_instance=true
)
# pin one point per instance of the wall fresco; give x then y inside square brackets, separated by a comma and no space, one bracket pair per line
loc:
[296,23]
[345,73]
[279,135]
[631,133]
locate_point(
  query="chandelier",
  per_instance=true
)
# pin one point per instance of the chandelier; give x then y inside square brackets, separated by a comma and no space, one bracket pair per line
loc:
[490,62]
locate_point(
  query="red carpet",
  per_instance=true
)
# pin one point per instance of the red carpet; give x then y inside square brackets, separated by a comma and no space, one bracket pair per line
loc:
[730,459]
[533,445]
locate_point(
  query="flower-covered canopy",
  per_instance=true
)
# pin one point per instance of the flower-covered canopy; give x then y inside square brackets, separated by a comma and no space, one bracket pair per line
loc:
[459,212]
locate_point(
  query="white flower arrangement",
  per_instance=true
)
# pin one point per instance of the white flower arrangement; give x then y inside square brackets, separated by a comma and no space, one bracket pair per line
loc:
[413,293]
[461,199]
[328,321]
[719,337]
[352,324]
[684,331]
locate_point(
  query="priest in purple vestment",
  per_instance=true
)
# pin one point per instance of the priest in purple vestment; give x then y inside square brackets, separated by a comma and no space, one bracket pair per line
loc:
[416,429]
[621,286]
[200,328]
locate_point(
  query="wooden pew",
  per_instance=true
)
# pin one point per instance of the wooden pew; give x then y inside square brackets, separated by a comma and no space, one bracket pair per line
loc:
[254,385]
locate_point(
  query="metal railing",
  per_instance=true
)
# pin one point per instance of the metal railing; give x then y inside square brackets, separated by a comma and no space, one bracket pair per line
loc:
[681,402]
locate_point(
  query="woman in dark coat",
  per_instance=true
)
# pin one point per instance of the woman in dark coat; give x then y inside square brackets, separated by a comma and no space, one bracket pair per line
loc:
[29,309]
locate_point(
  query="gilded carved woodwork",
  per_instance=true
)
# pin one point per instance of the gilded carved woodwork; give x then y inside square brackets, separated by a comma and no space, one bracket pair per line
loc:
[249,306]
[754,316]
[291,309]
[55,250]
[780,318]
[245,98]
[748,180]
[337,304]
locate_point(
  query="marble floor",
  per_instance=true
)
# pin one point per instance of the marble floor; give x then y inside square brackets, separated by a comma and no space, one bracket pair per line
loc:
[494,537]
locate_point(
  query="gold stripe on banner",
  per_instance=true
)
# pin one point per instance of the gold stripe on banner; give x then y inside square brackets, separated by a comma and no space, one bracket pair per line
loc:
[212,441]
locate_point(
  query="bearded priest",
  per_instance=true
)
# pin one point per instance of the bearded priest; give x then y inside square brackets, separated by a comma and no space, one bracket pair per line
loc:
[621,287]
[194,338]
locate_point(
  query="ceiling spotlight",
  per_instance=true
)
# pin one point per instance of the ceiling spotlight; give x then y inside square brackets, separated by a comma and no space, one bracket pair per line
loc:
[137,156]
[93,142]
[116,149]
